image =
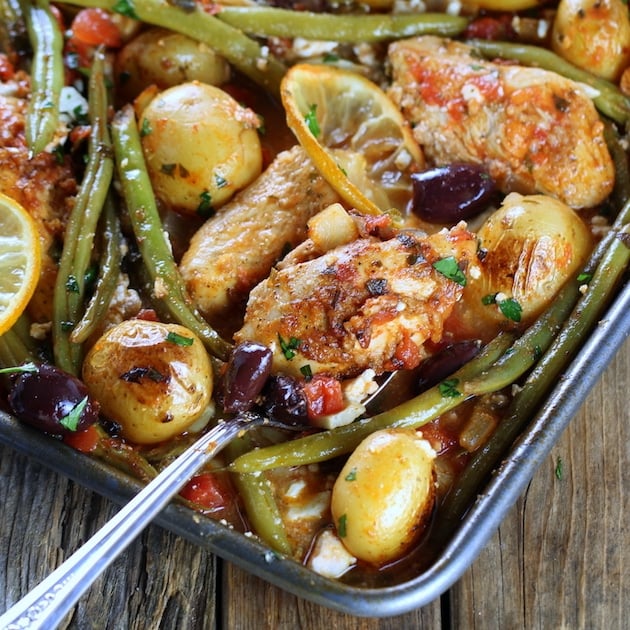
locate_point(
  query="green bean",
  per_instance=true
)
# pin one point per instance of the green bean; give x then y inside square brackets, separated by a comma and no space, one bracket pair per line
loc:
[47,75]
[260,505]
[107,279]
[601,288]
[619,156]
[81,227]
[189,18]
[609,100]
[273,22]
[168,287]
[17,345]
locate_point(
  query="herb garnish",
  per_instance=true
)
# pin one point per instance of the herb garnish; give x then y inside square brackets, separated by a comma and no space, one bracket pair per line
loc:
[448,388]
[449,268]
[179,340]
[126,8]
[71,420]
[288,347]
[342,526]
[311,120]
[352,475]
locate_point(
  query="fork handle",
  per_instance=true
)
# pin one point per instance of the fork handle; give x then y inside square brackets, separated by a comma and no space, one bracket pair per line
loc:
[47,604]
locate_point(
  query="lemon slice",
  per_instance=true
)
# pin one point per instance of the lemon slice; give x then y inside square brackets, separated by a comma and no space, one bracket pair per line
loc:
[20,260]
[354,134]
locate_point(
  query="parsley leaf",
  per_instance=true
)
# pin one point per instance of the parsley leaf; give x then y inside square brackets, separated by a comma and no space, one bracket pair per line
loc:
[179,340]
[311,120]
[511,309]
[342,526]
[449,268]
[71,420]
[448,388]
[126,8]
[352,475]
[288,347]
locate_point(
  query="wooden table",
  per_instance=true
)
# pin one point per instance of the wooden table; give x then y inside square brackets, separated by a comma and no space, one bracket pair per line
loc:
[560,559]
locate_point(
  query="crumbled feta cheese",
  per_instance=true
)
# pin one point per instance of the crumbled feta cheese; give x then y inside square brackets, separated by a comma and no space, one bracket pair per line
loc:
[329,557]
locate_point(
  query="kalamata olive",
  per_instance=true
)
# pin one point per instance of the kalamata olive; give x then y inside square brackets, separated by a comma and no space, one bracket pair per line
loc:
[49,398]
[442,364]
[452,193]
[284,400]
[247,371]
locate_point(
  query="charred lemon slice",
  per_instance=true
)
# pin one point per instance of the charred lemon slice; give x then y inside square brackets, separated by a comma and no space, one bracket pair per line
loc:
[354,134]
[20,260]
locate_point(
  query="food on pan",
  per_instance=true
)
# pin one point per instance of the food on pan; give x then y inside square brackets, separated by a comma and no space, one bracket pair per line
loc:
[385,228]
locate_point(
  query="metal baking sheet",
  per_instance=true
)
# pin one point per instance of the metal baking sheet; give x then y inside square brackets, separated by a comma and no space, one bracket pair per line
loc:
[481,521]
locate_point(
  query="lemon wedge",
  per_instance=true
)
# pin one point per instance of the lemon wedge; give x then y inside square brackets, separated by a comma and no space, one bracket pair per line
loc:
[355,135]
[20,260]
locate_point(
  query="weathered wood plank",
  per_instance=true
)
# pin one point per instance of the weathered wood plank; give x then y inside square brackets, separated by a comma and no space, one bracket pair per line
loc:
[161,581]
[560,559]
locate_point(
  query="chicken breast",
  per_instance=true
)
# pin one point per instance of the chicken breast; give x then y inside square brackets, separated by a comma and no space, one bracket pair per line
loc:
[534,130]
[237,248]
[44,185]
[370,303]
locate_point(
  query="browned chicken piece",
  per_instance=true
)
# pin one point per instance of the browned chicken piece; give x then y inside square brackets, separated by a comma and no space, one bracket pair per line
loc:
[370,303]
[533,129]
[44,186]
[236,249]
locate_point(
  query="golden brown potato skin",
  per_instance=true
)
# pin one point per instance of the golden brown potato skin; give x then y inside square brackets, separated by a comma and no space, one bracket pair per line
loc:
[44,186]
[237,248]
[534,130]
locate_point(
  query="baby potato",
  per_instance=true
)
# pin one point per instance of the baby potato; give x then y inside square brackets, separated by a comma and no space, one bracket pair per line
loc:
[593,35]
[200,147]
[531,246]
[153,379]
[164,58]
[383,495]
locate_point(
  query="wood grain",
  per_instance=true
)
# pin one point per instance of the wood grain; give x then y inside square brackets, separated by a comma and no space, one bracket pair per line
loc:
[559,560]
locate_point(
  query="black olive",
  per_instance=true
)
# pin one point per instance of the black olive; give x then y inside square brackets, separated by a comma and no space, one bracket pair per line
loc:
[284,400]
[52,400]
[452,193]
[248,369]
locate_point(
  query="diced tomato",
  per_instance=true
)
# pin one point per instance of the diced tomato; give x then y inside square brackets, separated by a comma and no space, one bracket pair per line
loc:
[96,26]
[207,490]
[85,441]
[323,396]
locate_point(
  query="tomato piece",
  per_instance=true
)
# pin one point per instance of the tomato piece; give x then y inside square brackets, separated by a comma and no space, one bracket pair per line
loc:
[96,26]
[323,396]
[85,441]
[207,490]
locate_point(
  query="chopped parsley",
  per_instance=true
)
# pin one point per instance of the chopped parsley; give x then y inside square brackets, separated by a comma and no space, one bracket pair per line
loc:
[20,369]
[71,420]
[306,371]
[311,120]
[585,277]
[205,208]
[126,8]
[448,388]
[179,340]
[450,268]
[220,181]
[289,348]
[342,526]
[509,307]
[145,128]
[352,475]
